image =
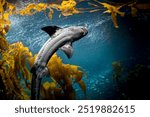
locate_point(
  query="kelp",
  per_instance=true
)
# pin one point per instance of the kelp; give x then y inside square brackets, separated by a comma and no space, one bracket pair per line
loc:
[12,63]
[67,7]
[33,8]
[3,43]
[117,70]
[114,8]
[135,7]
[16,61]
[6,9]
[63,77]
[134,83]
[138,82]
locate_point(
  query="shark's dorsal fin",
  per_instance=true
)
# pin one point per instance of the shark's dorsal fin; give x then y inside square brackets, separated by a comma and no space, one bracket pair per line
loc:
[50,29]
[67,49]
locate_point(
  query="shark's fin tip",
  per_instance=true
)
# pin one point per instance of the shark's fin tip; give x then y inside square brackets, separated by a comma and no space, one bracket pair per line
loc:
[50,29]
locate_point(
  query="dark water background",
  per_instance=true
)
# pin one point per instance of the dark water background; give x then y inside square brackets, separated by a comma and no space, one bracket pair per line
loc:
[95,53]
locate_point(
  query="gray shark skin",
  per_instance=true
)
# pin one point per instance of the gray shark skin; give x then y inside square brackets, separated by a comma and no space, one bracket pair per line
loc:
[61,38]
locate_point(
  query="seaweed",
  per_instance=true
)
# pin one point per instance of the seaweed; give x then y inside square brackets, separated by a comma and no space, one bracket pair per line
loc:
[64,75]
[138,82]
[13,61]
[67,8]
[16,61]
[134,84]
[115,8]
[118,70]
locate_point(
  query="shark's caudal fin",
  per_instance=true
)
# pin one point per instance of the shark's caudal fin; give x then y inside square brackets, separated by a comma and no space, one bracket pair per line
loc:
[50,29]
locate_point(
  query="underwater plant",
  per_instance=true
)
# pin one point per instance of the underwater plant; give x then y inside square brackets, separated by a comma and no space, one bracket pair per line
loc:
[118,70]
[134,84]
[65,75]
[16,61]
[114,8]
[66,7]
[135,7]
[33,8]
[138,82]
[69,7]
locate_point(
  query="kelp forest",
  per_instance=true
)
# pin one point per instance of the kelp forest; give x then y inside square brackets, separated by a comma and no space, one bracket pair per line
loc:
[16,59]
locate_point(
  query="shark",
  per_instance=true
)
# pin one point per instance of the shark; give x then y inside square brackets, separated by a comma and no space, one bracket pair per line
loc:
[60,38]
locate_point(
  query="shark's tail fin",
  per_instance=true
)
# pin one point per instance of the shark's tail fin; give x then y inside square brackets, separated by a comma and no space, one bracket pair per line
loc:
[38,73]
[33,69]
[35,84]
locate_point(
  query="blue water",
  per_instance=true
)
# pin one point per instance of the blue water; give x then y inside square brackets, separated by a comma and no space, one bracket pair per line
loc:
[94,53]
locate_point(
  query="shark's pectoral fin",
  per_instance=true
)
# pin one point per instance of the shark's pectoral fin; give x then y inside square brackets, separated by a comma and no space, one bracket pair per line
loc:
[67,49]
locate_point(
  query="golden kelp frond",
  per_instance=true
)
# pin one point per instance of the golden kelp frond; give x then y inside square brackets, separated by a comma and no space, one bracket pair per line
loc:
[11,9]
[4,24]
[82,85]
[20,54]
[30,9]
[67,7]
[112,9]
[3,43]
[34,8]
[9,77]
[14,63]
[47,90]
[136,6]
[4,16]
[2,3]
[31,60]
[61,71]
[64,74]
